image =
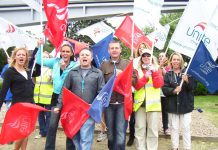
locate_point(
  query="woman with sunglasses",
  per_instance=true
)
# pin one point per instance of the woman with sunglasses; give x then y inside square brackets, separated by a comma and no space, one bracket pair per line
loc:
[147,104]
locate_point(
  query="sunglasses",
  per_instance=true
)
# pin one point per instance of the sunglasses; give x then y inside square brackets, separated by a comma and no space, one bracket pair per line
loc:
[146,55]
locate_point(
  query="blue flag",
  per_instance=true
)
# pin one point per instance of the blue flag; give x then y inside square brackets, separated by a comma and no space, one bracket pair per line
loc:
[102,100]
[100,50]
[204,68]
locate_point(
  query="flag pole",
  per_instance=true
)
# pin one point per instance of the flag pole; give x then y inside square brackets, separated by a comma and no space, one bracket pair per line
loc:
[189,63]
[6,53]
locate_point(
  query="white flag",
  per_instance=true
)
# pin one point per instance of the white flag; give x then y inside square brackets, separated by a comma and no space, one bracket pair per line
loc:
[97,31]
[35,4]
[11,35]
[194,27]
[160,36]
[147,12]
[212,32]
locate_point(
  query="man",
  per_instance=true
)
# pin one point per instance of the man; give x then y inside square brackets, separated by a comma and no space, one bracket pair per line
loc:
[114,113]
[85,81]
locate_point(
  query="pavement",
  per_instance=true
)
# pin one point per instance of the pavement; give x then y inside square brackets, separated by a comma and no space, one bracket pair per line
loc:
[204,136]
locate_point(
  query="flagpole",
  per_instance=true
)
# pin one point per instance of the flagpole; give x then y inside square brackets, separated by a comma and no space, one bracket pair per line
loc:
[41,45]
[6,53]
[189,63]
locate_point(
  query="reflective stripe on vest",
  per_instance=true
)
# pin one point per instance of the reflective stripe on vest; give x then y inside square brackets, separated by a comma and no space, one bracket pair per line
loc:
[148,93]
[43,91]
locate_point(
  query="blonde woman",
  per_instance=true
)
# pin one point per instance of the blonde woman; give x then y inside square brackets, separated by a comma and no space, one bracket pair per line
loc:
[18,79]
[180,101]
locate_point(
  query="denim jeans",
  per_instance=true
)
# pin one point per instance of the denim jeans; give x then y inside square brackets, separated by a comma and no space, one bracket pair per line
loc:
[164,113]
[132,126]
[44,120]
[116,124]
[51,135]
[84,138]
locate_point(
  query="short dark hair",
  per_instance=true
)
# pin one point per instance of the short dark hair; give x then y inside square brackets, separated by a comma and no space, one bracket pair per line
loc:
[112,42]
[88,50]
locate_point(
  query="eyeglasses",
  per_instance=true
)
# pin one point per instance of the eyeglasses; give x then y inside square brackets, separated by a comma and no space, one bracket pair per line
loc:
[146,55]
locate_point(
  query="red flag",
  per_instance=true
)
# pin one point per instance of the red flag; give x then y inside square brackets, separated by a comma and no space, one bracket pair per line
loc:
[57,14]
[78,46]
[74,113]
[19,122]
[124,33]
[123,85]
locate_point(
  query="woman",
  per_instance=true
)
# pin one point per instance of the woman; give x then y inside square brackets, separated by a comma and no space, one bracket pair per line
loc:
[42,96]
[18,79]
[163,64]
[180,101]
[137,55]
[147,102]
[60,68]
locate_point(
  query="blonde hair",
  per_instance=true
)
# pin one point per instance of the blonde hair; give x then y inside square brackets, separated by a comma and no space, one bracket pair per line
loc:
[13,55]
[180,57]
[137,50]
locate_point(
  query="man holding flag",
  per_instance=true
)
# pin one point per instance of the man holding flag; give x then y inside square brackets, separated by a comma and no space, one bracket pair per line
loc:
[114,113]
[86,82]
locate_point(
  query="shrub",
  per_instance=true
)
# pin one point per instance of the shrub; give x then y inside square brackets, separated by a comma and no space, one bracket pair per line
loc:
[200,90]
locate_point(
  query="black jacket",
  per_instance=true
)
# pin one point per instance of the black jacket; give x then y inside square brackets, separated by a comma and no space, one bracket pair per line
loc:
[21,88]
[184,101]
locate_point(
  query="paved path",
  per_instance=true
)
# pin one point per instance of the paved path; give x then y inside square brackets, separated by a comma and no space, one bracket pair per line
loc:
[204,133]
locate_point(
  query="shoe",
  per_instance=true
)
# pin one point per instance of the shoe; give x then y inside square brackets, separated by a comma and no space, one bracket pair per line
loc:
[101,137]
[10,143]
[167,132]
[131,141]
[38,136]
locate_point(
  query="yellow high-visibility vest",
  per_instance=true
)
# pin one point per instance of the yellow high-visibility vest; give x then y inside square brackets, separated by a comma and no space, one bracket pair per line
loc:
[43,88]
[149,94]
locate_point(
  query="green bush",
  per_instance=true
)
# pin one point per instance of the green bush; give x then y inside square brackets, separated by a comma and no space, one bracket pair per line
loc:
[200,90]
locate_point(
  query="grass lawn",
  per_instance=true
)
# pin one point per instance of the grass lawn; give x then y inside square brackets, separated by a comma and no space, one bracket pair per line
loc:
[209,105]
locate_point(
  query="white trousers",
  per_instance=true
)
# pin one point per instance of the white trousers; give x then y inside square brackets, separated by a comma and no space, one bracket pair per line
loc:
[182,122]
[146,129]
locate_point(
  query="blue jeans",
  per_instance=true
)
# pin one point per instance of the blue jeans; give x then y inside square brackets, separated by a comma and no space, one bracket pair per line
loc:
[116,124]
[84,138]
[44,120]
[51,135]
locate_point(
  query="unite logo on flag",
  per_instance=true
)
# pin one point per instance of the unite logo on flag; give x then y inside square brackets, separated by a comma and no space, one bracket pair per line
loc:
[68,116]
[102,97]
[21,123]
[197,33]
[61,15]
[10,29]
[207,67]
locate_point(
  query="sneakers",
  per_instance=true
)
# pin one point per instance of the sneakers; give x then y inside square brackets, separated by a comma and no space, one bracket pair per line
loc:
[39,136]
[167,132]
[101,137]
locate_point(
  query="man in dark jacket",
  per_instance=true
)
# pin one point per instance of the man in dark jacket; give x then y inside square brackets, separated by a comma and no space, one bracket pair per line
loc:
[114,113]
[85,81]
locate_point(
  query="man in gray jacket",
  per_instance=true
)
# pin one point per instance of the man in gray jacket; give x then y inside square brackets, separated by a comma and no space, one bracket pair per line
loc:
[85,81]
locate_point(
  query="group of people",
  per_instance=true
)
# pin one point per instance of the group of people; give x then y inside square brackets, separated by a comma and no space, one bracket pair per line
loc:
[155,87]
